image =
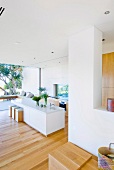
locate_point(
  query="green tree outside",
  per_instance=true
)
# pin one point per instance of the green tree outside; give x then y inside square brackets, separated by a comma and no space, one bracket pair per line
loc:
[62,90]
[12,77]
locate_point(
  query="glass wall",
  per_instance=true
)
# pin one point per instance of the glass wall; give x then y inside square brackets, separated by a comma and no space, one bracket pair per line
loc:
[62,90]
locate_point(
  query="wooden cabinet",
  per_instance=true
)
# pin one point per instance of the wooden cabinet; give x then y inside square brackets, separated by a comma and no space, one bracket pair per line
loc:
[107,77]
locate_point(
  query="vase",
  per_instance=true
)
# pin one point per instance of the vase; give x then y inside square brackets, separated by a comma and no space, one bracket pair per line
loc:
[37,103]
[45,99]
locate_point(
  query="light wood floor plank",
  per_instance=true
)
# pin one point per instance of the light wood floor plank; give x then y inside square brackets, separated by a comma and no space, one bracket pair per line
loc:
[71,157]
[23,148]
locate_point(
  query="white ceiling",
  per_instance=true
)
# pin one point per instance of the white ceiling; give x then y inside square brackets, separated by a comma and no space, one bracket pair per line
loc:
[30,30]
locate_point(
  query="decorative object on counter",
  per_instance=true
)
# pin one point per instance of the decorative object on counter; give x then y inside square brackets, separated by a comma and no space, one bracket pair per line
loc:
[45,96]
[105,158]
[41,105]
[42,90]
[37,99]
[110,104]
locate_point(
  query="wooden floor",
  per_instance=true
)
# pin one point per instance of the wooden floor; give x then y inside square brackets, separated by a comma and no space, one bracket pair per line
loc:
[23,148]
[71,157]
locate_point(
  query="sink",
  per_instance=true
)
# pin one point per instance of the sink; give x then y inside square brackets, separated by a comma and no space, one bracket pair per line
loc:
[53,108]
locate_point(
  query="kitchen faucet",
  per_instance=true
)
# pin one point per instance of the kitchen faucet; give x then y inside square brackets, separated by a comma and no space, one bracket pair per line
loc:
[51,105]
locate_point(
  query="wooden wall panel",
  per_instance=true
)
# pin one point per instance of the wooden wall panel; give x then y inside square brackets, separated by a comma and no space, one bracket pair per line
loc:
[107,77]
[107,93]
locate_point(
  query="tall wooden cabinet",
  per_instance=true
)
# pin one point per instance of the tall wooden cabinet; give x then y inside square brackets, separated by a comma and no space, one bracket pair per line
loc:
[107,77]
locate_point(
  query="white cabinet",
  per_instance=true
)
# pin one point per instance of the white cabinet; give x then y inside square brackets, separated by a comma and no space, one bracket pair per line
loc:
[26,114]
[55,121]
[47,123]
[38,120]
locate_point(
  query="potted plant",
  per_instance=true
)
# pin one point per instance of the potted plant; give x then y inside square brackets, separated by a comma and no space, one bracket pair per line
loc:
[37,99]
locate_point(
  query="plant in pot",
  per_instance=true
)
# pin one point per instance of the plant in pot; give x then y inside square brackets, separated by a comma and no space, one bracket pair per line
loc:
[37,99]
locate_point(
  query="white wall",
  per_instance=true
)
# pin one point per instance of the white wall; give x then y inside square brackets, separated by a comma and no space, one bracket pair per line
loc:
[30,81]
[108,47]
[89,128]
[54,75]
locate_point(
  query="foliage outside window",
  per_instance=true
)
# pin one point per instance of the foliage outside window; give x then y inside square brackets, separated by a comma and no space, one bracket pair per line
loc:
[62,90]
[12,77]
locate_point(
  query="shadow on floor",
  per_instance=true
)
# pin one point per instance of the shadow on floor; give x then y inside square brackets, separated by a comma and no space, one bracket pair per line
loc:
[4,105]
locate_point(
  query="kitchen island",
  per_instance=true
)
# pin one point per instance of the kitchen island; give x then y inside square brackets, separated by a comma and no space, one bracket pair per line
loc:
[45,120]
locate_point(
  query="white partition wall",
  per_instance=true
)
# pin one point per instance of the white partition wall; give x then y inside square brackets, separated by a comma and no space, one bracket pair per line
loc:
[89,128]
[54,75]
[30,81]
[108,47]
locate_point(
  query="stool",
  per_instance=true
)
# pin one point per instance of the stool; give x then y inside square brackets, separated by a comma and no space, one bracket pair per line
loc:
[10,111]
[19,114]
[13,111]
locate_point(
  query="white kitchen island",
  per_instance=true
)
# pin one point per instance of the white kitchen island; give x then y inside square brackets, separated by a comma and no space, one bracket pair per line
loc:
[45,120]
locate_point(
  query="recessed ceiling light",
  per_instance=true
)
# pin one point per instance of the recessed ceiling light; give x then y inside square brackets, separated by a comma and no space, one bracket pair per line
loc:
[52,52]
[18,42]
[22,61]
[107,12]
[34,58]
[59,62]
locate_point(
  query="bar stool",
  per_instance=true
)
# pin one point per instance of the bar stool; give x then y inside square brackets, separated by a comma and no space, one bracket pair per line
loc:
[13,111]
[19,114]
[10,111]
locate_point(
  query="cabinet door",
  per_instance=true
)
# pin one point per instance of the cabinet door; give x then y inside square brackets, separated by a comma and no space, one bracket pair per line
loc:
[38,120]
[55,121]
[26,115]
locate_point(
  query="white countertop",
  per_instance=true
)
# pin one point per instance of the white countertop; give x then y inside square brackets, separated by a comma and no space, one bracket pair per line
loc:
[30,103]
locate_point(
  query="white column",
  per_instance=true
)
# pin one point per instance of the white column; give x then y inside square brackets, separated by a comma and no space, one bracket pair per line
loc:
[85,54]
